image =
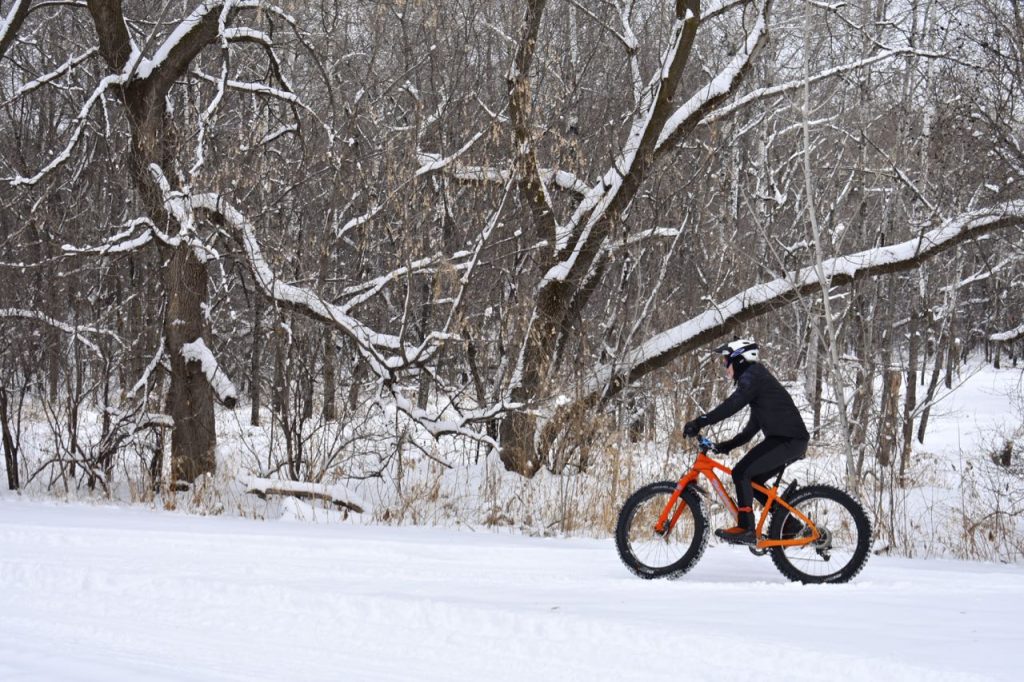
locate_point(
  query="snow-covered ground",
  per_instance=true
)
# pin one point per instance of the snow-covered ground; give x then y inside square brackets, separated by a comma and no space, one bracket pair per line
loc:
[984,402]
[109,593]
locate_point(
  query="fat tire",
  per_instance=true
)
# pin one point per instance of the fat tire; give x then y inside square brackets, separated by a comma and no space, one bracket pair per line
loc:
[861,520]
[694,550]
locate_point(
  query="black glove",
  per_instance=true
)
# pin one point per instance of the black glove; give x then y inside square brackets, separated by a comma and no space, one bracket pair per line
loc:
[721,448]
[692,428]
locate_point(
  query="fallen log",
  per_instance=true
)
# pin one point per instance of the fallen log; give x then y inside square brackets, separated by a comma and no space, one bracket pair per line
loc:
[338,495]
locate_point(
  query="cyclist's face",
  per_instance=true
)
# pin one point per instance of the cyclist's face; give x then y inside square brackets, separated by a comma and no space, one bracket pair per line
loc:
[728,367]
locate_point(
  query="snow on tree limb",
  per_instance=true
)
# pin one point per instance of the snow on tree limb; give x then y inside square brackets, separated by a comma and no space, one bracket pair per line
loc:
[662,348]
[1011,335]
[607,197]
[561,179]
[148,371]
[251,87]
[369,342]
[341,230]
[789,86]
[180,207]
[459,426]
[169,62]
[435,163]
[720,7]
[122,242]
[64,68]
[357,294]
[178,48]
[223,388]
[10,24]
[720,87]
[79,125]
[74,331]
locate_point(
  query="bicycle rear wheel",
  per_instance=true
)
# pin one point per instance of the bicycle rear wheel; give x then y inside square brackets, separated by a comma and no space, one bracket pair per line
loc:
[841,551]
[652,554]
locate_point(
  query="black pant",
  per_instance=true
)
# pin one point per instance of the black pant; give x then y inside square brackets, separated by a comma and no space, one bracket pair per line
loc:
[765,460]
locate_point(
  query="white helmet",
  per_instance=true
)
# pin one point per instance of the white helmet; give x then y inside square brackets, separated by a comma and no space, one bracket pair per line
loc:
[743,350]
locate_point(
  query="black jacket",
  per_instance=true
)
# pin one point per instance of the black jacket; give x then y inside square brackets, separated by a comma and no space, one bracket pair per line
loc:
[772,410]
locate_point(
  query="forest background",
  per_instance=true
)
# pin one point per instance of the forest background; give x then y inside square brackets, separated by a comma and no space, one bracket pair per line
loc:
[463,259]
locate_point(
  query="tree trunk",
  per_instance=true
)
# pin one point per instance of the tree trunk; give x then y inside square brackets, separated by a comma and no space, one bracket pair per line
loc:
[256,361]
[816,340]
[929,396]
[307,345]
[330,411]
[910,401]
[358,373]
[10,445]
[194,436]
[950,350]
[889,418]
[279,397]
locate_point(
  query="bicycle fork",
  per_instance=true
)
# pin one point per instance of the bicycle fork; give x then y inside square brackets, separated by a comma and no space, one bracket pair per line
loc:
[665,524]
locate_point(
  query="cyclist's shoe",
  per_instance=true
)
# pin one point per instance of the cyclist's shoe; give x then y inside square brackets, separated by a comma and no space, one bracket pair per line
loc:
[737,535]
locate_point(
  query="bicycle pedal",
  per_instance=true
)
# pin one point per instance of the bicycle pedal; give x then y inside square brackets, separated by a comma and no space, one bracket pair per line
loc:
[757,551]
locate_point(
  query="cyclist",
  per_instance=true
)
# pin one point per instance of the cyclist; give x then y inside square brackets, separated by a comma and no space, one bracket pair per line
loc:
[772,412]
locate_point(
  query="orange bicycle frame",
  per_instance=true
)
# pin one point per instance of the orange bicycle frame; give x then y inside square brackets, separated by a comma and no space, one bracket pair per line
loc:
[706,467]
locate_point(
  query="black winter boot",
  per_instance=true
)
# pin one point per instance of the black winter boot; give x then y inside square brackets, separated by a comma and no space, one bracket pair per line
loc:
[743,532]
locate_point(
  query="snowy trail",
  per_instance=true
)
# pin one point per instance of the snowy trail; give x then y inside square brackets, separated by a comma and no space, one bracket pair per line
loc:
[97,593]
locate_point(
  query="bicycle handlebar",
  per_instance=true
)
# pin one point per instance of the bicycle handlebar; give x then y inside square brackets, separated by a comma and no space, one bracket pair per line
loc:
[704,443]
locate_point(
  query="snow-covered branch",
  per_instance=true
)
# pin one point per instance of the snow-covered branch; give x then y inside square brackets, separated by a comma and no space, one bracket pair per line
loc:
[1011,335]
[122,242]
[561,179]
[143,381]
[246,34]
[64,68]
[357,294]
[10,24]
[655,102]
[340,230]
[74,331]
[662,348]
[79,125]
[435,162]
[177,50]
[250,87]
[458,426]
[179,206]
[790,86]
[708,97]
[369,342]
[223,388]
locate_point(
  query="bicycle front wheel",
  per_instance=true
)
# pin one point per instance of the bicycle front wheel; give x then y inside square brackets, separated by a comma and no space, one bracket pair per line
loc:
[841,551]
[650,553]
